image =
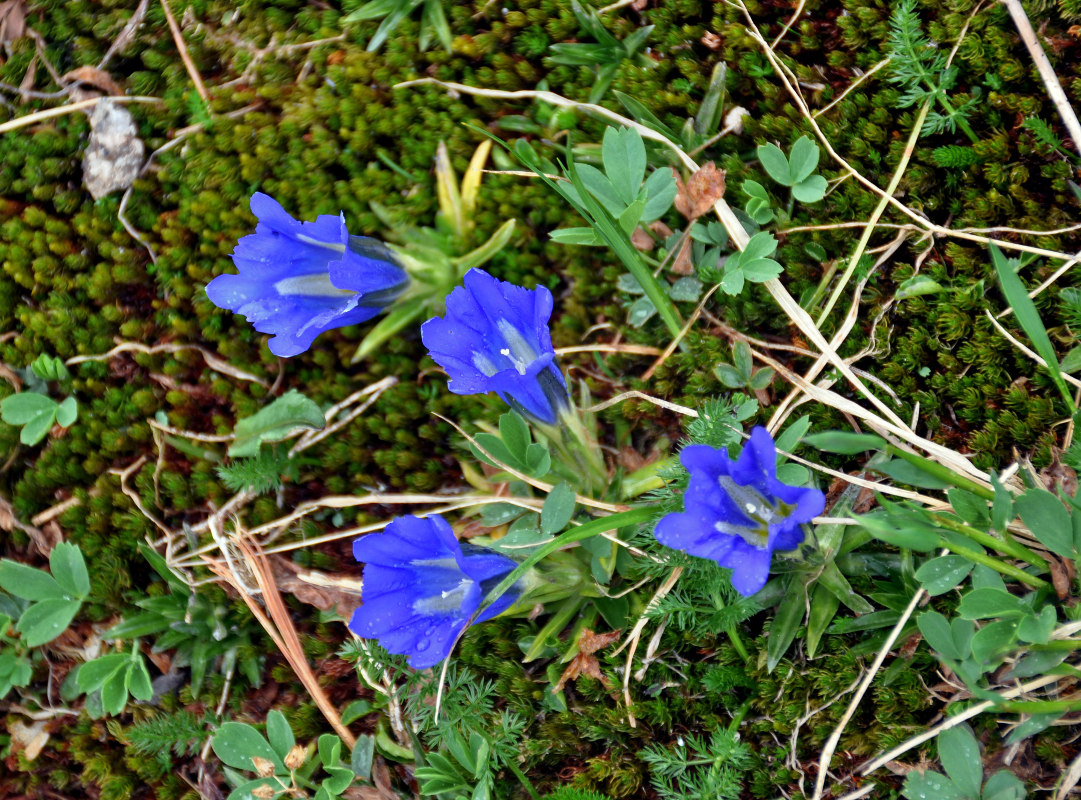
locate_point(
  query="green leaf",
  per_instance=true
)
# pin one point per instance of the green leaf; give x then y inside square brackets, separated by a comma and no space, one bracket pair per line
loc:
[1037,628]
[114,693]
[1029,319]
[811,190]
[900,533]
[514,432]
[49,368]
[917,286]
[236,743]
[1048,520]
[760,270]
[1004,785]
[397,318]
[37,429]
[67,412]
[802,159]
[25,407]
[824,605]
[330,749]
[762,245]
[600,186]
[959,753]
[936,632]
[339,780]
[27,582]
[624,156]
[993,641]
[628,220]
[361,758]
[646,117]
[907,472]
[1002,506]
[583,237]
[785,625]
[139,683]
[246,791]
[660,189]
[832,579]
[558,509]
[93,674]
[279,734]
[928,785]
[45,620]
[989,603]
[69,569]
[844,442]
[972,509]
[434,17]
[774,163]
[494,447]
[287,415]
[940,575]
[686,290]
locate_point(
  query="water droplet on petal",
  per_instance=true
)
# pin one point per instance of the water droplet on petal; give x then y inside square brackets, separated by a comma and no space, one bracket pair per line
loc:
[422,645]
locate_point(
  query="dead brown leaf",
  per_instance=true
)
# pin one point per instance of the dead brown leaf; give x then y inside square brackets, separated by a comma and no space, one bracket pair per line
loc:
[642,240]
[682,264]
[98,78]
[711,40]
[1060,576]
[585,663]
[702,190]
[12,20]
[338,594]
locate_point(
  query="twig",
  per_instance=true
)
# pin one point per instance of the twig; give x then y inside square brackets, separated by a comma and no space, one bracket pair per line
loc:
[59,111]
[178,37]
[1028,352]
[126,34]
[835,736]
[852,86]
[1047,72]
[212,361]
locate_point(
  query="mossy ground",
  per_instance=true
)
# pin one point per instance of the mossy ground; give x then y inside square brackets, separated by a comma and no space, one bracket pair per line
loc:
[324,122]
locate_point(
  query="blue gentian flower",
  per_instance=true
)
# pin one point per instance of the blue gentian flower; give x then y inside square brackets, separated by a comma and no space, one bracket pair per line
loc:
[299,279]
[495,338]
[737,512]
[421,587]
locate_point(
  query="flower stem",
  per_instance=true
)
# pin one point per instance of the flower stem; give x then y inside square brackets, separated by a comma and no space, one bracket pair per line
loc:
[592,528]
[997,565]
[1008,547]
[737,642]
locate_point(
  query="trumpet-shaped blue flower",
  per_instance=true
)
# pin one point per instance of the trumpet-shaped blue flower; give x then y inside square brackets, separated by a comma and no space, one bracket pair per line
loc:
[737,512]
[299,279]
[421,586]
[495,338]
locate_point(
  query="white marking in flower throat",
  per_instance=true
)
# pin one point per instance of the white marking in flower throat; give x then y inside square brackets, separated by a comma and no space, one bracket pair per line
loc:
[336,246]
[316,284]
[519,352]
[756,507]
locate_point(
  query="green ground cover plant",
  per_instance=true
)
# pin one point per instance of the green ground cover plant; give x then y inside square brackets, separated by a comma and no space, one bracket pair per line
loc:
[539,400]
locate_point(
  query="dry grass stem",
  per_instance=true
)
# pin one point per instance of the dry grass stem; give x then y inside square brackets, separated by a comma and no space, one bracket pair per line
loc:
[212,361]
[182,47]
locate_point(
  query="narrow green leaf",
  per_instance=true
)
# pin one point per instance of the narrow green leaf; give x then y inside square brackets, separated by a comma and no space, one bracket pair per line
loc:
[785,625]
[1029,319]
[844,442]
[824,605]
